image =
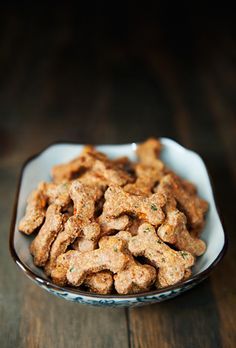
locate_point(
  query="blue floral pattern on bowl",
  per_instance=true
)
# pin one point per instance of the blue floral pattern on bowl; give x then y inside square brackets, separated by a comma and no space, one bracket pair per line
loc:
[119,301]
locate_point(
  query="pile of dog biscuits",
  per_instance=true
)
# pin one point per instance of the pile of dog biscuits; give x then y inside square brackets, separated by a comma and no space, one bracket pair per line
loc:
[115,226]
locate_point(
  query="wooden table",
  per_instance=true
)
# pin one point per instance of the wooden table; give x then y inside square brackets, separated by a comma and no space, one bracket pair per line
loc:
[67,76]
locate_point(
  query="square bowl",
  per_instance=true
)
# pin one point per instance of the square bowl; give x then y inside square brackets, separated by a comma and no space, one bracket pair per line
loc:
[184,162]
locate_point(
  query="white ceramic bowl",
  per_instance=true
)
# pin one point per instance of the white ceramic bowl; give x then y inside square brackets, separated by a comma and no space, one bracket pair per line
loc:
[184,162]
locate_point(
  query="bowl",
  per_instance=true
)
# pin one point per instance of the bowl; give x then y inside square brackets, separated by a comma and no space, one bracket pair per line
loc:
[184,162]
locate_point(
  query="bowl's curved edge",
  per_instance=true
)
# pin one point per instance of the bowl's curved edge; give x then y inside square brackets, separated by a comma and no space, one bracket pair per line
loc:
[47,283]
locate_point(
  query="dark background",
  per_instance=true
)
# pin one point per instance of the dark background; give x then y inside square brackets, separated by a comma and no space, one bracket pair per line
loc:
[114,73]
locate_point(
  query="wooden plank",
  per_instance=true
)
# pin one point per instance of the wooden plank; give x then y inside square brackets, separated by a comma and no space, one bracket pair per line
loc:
[220,110]
[46,321]
[11,280]
[190,320]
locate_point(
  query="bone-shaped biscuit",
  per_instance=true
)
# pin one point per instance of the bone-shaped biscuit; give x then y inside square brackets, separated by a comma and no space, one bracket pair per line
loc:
[112,174]
[188,186]
[174,231]
[40,247]
[193,206]
[187,275]
[123,162]
[74,228]
[147,177]
[83,244]
[96,176]
[118,202]
[108,224]
[171,264]
[88,241]
[58,272]
[91,230]
[101,282]
[57,193]
[46,193]
[71,231]
[105,172]
[111,255]
[35,211]
[84,198]
[149,152]
[124,235]
[133,226]
[91,178]
[70,170]
[134,278]
[79,225]
[95,161]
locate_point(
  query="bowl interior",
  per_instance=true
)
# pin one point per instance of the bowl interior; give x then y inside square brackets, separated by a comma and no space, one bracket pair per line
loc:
[184,162]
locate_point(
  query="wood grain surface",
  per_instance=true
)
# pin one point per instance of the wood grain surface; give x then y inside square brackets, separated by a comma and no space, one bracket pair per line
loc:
[101,78]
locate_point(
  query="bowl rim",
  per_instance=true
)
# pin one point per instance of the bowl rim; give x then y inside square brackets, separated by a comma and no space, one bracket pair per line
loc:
[50,285]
